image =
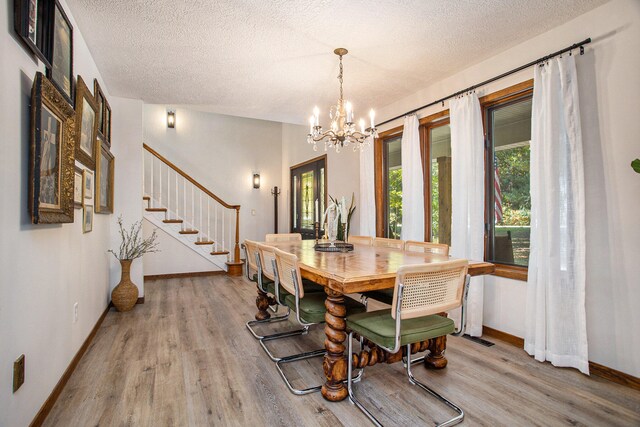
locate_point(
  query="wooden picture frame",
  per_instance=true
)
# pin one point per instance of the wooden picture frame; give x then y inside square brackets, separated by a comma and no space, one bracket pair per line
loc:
[32,21]
[104,111]
[78,187]
[61,70]
[52,161]
[88,185]
[87,126]
[104,179]
[87,219]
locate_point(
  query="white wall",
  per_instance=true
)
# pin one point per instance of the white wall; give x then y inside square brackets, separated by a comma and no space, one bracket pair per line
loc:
[44,269]
[343,171]
[127,150]
[609,83]
[222,153]
[174,256]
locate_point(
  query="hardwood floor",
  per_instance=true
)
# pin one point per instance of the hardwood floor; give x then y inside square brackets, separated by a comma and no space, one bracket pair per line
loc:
[184,358]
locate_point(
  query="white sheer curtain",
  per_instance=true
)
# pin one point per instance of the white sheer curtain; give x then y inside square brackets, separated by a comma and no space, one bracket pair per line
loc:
[555,316]
[412,181]
[467,198]
[367,206]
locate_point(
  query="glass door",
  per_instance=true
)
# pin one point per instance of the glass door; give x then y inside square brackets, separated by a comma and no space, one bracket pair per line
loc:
[308,196]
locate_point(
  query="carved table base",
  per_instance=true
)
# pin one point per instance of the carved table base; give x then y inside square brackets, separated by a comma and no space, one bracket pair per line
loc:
[375,354]
[263,301]
[335,362]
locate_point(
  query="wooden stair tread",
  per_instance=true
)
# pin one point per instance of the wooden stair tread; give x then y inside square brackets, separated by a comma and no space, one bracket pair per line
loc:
[156,209]
[204,242]
[146,198]
[172,221]
[188,231]
[220,253]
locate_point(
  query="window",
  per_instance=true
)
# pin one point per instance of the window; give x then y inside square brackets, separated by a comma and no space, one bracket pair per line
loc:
[439,143]
[393,186]
[508,127]
[308,183]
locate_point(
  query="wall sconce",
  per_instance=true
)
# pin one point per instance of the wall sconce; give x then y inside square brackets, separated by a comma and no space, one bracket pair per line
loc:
[256,180]
[171,119]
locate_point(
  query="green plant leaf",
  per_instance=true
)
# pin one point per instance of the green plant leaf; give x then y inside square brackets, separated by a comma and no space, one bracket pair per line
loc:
[636,165]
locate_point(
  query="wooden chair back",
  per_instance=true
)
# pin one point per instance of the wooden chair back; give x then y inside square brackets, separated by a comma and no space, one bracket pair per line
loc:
[287,265]
[251,249]
[361,240]
[382,242]
[429,288]
[267,254]
[283,237]
[426,247]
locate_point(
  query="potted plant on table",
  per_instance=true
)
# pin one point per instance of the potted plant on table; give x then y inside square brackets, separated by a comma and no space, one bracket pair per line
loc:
[132,246]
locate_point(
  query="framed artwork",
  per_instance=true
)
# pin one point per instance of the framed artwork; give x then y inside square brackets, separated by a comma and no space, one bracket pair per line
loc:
[87,219]
[104,179]
[87,187]
[87,126]
[61,70]
[77,188]
[51,160]
[32,20]
[104,113]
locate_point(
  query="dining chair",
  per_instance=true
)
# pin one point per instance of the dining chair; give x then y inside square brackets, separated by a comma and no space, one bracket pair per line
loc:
[420,291]
[426,247]
[383,242]
[267,261]
[283,237]
[361,240]
[309,309]
[264,284]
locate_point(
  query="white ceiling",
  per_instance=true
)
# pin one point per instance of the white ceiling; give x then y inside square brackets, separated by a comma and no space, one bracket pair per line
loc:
[273,59]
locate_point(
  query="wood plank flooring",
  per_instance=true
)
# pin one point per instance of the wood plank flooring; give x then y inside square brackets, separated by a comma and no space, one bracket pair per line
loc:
[184,358]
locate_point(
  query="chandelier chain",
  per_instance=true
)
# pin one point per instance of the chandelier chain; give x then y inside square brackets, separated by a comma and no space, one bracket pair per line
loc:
[340,78]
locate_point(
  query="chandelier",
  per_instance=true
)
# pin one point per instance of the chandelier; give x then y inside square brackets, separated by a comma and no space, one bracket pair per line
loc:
[343,129]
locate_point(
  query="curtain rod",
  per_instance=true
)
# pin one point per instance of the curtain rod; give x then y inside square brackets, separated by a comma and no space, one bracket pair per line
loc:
[493,79]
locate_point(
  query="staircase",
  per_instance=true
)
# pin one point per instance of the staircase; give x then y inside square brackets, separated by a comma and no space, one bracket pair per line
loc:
[190,213]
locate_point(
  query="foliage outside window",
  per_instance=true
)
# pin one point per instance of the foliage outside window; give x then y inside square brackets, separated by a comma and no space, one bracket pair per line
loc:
[393,170]
[509,197]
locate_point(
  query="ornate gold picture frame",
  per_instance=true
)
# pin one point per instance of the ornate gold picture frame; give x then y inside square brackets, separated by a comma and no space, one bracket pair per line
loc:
[51,161]
[104,113]
[87,126]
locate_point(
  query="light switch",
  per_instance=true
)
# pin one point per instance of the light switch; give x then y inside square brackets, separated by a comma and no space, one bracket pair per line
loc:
[253,212]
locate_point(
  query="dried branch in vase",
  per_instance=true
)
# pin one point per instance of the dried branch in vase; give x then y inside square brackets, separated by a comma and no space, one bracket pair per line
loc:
[133,245]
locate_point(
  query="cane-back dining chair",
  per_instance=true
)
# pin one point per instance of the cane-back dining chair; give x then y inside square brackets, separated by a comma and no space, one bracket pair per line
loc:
[421,291]
[383,242]
[426,247]
[361,240]
[283,237]
[308,307]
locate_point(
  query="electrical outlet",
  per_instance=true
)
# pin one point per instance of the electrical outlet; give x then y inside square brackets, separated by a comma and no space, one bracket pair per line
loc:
[75,312]
[253,212]
[18,373]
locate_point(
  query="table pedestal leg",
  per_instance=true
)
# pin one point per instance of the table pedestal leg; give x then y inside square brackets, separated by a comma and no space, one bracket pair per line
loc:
[335,362]
[262,302]
[436,359]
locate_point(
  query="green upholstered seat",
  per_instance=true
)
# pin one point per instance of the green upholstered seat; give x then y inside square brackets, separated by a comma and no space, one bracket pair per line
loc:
[379,327]
[383,295]
[312,307]
[308,286]
[265,279]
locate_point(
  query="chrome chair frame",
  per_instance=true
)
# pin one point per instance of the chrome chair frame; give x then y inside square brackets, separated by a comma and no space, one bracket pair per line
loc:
[251,323]
[407,362]
[307,354]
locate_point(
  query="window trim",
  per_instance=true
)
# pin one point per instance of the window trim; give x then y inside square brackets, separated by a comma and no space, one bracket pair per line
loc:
[504,95]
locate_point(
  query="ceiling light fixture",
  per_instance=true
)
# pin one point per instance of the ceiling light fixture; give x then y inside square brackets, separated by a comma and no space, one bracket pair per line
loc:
[343,129]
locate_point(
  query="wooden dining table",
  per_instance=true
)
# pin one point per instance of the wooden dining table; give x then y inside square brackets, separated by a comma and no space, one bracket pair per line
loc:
[366,268]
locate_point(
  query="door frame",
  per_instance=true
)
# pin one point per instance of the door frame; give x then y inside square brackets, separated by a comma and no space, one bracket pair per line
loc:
[326,187]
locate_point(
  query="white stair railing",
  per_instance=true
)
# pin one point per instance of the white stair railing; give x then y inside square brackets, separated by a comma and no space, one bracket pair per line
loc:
[194,208]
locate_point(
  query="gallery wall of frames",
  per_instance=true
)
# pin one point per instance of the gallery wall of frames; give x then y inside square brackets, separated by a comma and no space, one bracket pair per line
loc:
[70,162]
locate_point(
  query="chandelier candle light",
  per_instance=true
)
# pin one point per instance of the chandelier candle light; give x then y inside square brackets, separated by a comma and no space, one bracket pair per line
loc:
[343,129]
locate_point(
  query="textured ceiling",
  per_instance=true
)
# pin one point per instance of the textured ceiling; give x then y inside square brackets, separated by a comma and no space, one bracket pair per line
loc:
[274,59]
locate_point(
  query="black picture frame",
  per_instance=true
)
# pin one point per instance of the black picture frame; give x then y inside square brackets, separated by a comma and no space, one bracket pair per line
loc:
[32,21]
[60,73]
[104,113]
